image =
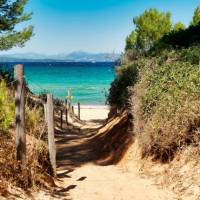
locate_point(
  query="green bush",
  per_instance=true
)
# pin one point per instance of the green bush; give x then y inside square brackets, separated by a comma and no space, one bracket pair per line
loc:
[191,55]
[170,104]
[126,76]
[6,107]
[168,94]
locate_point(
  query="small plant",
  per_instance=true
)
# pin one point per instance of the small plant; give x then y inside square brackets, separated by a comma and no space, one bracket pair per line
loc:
[34,120]
[191,55]
[6,108]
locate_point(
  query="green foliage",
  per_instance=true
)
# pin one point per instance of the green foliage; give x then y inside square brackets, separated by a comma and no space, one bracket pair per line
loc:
[168,83]
[11,14]
[153,32]
[178,39]
[169,102]
[196,17]
[6,108]
[178,27]
[167,91]
[131,41]
[191,54]
[126,76]
[150,27]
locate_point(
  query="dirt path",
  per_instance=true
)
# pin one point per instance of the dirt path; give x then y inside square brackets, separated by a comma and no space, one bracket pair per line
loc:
[82,178]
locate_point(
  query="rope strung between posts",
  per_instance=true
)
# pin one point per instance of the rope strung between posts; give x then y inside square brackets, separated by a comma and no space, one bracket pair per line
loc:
[28,95]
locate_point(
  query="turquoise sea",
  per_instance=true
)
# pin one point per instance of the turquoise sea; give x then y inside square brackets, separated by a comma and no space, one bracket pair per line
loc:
[89,82]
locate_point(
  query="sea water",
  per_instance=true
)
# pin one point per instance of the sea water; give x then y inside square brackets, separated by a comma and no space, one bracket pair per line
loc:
[89,82]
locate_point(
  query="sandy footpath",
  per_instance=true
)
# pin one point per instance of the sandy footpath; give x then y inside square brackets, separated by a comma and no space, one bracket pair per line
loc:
[90,181]
[80,178]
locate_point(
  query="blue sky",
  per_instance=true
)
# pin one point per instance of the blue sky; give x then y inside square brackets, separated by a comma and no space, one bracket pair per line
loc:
[63,26]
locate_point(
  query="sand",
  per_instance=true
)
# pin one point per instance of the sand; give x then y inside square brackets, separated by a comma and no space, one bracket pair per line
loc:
[81,178]
[113,183]
[86,180]
[92,112]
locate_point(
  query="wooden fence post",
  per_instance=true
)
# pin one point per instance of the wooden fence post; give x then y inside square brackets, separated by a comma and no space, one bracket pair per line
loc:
[69,100]
[45,112]
[79,111]
[20,114]
[66,112]
[69,107]
[66,102]
[51,140]
[61,118]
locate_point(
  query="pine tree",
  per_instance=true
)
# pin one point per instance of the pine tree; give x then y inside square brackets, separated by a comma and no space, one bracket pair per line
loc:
[150,27]
[196,17]
[178,27]
[11,14]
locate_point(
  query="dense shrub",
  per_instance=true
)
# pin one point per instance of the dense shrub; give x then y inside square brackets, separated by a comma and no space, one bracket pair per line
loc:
[168,78]
[179,39]
[191,54]
[126,76]
[170,103]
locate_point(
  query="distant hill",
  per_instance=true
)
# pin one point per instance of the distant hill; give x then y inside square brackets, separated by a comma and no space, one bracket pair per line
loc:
[72,57]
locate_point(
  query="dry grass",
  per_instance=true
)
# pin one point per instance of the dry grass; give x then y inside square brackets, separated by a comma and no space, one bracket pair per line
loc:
[181,175]
[166,131]
[38,173]
[35,122]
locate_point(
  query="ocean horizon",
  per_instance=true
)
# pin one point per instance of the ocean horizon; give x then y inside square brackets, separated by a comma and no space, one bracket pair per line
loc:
[88,81]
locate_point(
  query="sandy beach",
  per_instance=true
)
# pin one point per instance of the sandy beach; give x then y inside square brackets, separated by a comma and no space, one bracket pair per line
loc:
[93,112]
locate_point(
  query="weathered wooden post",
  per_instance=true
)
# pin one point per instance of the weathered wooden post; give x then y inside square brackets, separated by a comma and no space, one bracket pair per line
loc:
[51,140]
[20,114]
[79,110]
[72,109]
[66,112]
[66,102]
[69,100]
[61,118]
[45,112]
[66,109]
[69,107]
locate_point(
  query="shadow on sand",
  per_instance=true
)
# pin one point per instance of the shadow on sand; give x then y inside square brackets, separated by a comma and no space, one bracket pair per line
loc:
[104,145]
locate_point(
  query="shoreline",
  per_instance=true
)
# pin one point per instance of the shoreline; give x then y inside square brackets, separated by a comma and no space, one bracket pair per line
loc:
[92,106]
[93,112]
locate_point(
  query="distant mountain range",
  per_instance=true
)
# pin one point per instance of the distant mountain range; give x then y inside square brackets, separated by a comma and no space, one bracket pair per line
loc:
[72,57]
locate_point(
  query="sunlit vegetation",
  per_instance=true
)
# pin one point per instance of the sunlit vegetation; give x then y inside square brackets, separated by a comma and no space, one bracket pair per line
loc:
[166,85]
[38,166]
[6,108]
[11,14]
[38,169]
